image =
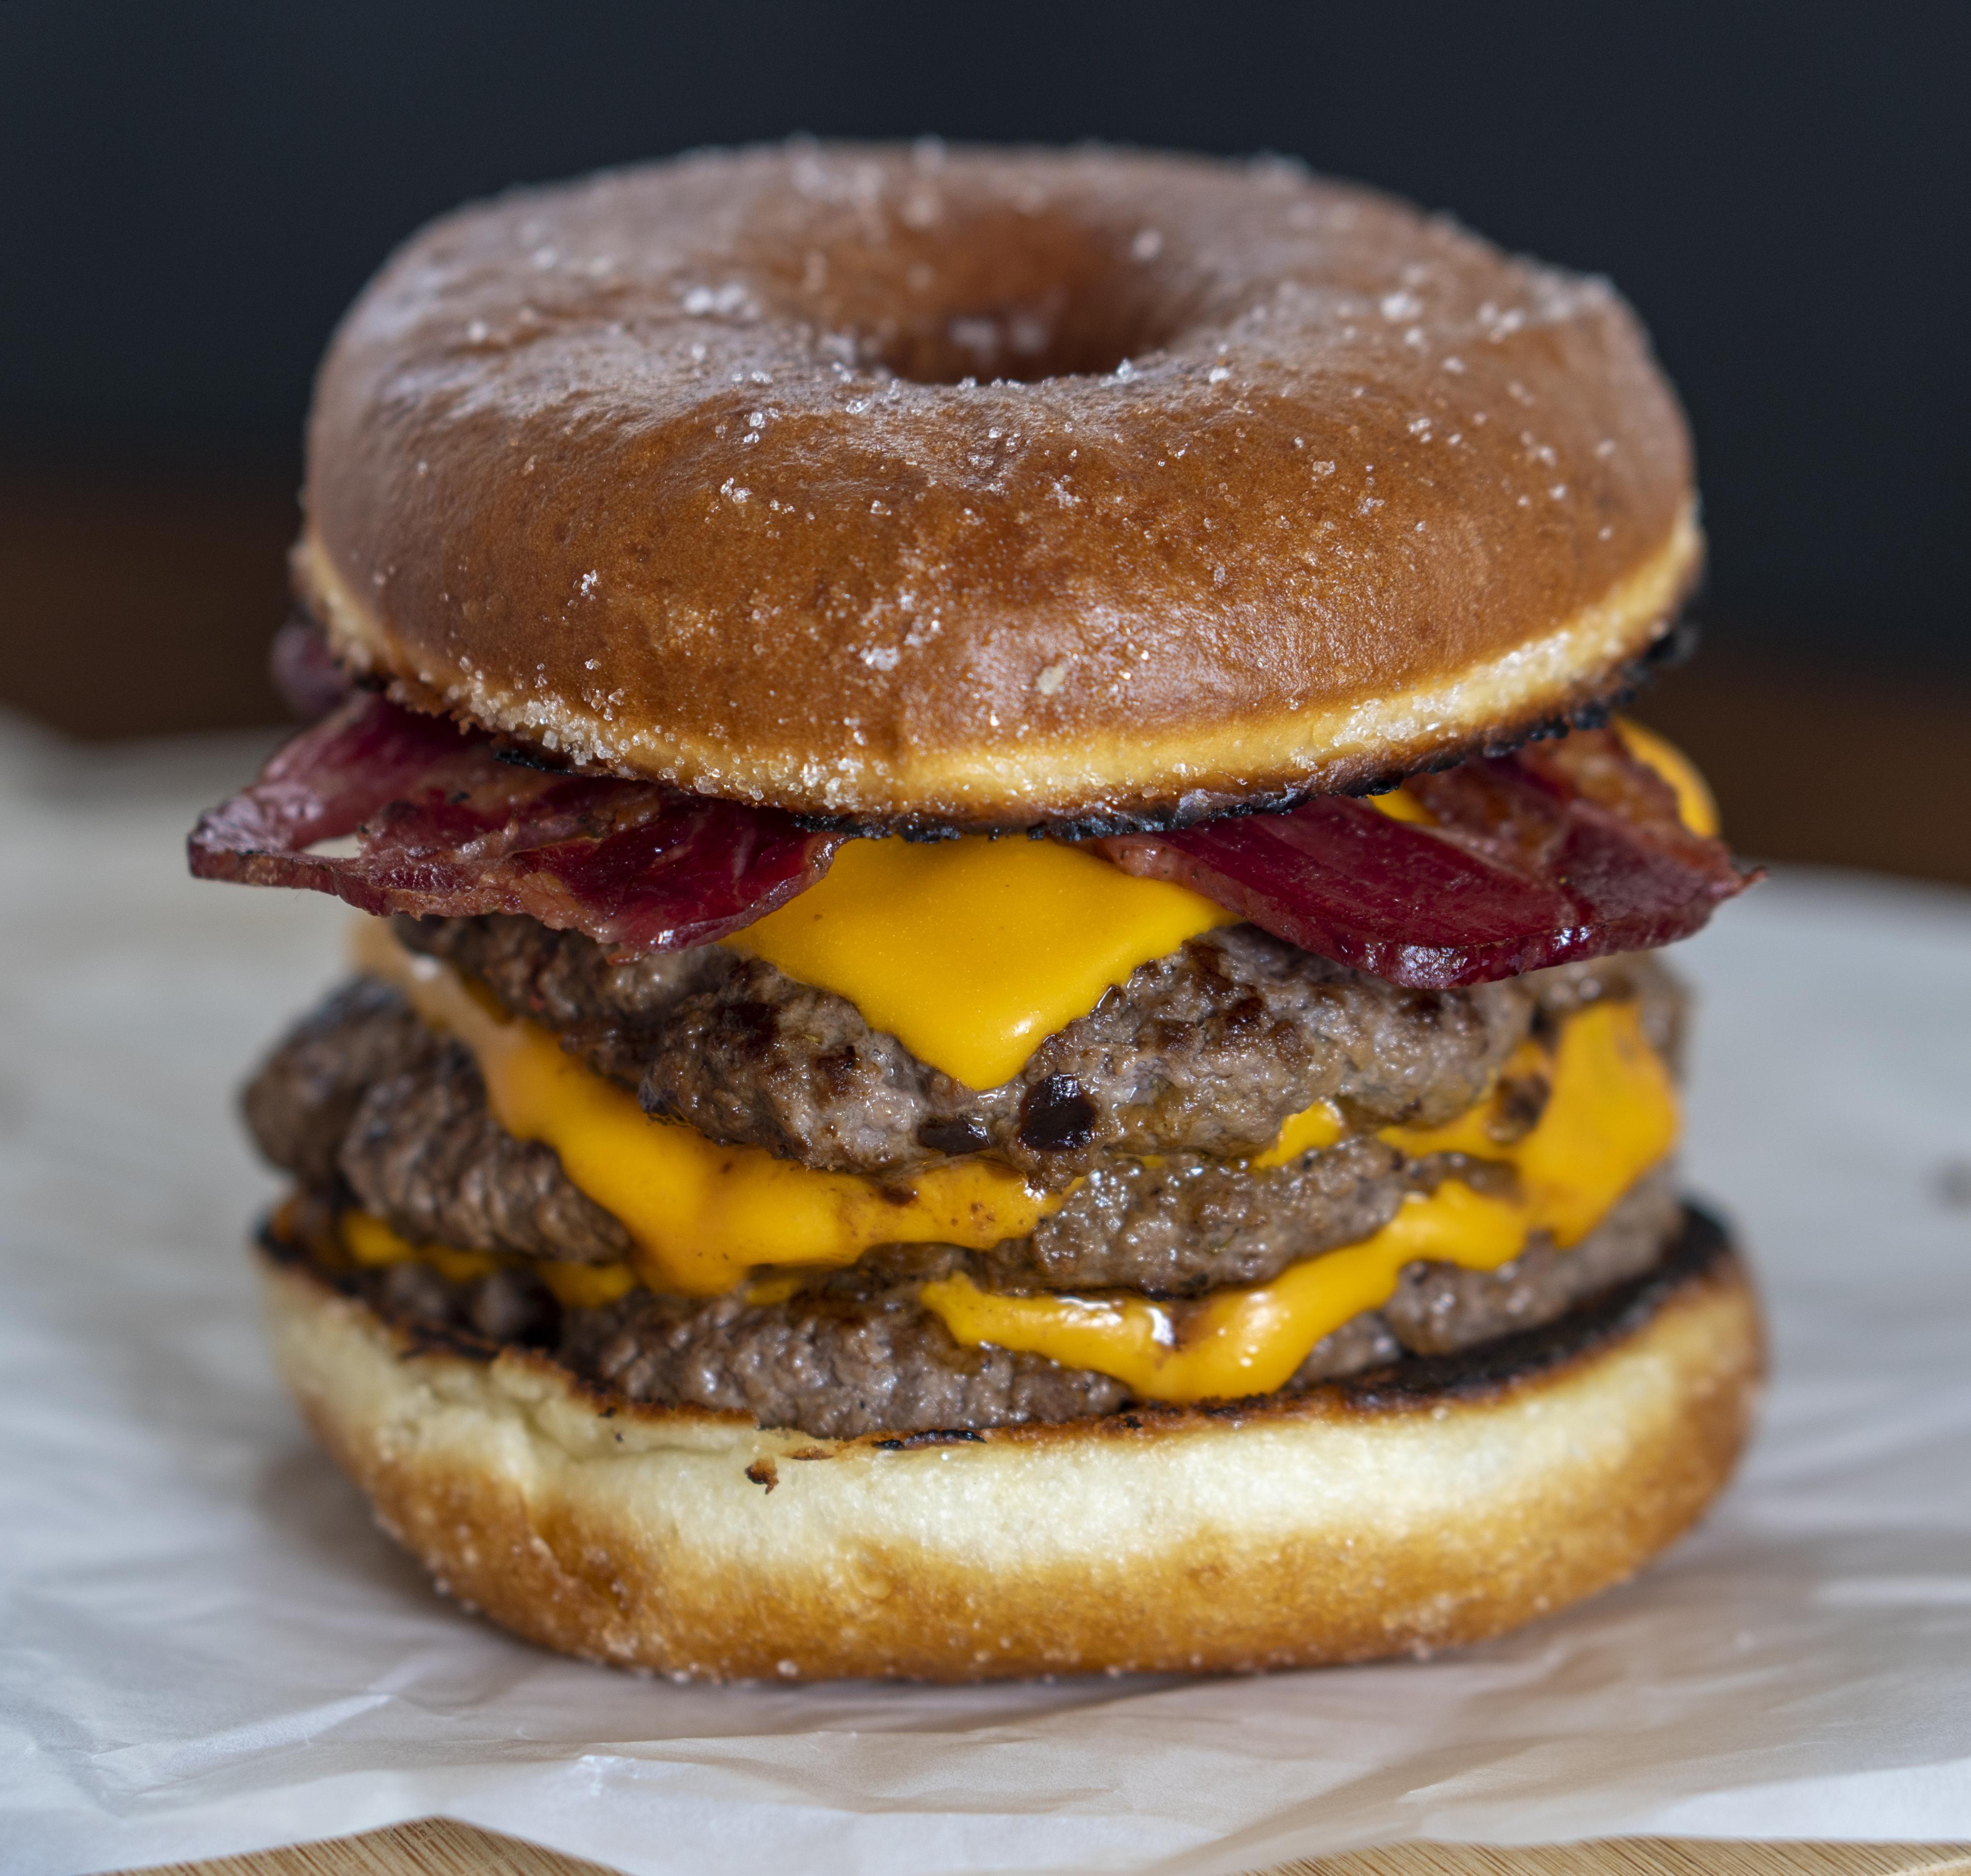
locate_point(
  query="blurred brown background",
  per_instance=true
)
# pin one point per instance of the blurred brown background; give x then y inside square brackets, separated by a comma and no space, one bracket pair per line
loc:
[193,194]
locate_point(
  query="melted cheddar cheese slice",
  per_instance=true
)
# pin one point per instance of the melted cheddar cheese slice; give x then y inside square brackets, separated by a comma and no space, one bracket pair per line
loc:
[1611,1114]
[1696,806]
[972,951]
[700,1215]
[371,1242]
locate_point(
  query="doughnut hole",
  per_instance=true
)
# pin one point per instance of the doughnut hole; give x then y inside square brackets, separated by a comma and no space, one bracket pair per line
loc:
[998,292]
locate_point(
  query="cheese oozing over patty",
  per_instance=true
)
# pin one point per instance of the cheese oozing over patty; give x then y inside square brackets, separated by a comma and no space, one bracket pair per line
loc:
[1610,1114]
[700,1215]
[972,951]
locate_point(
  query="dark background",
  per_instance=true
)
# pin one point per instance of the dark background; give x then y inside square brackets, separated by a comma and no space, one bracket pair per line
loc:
[193,193]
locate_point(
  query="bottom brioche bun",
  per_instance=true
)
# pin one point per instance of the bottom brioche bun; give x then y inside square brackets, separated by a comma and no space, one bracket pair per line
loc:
[1440,1502]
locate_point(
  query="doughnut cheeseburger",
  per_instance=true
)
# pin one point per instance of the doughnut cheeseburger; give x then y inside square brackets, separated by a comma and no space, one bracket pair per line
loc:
[1009,1021]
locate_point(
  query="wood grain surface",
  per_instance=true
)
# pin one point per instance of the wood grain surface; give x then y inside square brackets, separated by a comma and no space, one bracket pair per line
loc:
[437,1847]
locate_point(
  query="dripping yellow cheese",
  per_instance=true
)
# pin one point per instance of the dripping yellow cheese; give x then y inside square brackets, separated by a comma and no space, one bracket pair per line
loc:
[972,951]
[372,1243]
[1611,1114]
[1696,807]
[1400,805]
[1473,1131]
[700,1215]
[1319,1125]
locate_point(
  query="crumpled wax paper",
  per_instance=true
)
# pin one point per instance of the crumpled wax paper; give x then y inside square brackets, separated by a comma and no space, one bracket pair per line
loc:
[206,1647]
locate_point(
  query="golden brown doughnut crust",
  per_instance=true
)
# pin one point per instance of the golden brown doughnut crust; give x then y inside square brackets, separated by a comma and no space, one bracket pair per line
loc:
[1336,1526]
[1266,482]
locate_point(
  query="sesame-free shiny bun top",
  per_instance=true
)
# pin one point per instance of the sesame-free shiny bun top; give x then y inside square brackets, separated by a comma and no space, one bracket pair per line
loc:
[922,487]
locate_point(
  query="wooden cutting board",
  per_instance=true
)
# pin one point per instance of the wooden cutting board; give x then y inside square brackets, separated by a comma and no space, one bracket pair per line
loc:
[436,1847]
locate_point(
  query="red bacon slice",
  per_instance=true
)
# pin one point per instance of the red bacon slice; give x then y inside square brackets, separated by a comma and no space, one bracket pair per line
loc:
[443,825]
[1564,850]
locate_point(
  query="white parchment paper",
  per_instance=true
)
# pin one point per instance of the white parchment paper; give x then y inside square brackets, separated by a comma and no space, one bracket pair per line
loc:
[205,1647]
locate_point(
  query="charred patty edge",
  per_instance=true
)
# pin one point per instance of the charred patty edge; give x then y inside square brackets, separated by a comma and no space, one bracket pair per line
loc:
[1700,1250]
[404,1123]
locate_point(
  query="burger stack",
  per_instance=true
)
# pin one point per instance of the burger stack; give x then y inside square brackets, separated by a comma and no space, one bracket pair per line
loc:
[1007,1019]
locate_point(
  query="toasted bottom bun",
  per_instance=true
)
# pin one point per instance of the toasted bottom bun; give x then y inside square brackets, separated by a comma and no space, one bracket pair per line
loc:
[1439,1502]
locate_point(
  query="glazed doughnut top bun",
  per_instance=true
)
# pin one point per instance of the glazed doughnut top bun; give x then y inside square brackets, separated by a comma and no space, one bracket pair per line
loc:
[1007,1018]
[990,488]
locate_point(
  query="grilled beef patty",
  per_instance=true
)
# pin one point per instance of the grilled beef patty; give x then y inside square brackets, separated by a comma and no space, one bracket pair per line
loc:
[1196,1060]
[855,1352]
[419,1149]
[1207,1049]
[362,1091]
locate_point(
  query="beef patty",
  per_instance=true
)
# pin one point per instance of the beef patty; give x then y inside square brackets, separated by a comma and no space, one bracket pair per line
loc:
[1204,1052]
[855,1352]
[419,1149]
[1207,1049]
[1197,1058]
[362,1090]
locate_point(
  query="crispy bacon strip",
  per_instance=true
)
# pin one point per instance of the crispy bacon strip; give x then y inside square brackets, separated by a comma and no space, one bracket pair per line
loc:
[1564,850]
[442,825]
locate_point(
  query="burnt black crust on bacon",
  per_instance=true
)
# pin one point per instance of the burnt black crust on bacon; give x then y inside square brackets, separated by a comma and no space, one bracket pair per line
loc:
[859,1355]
